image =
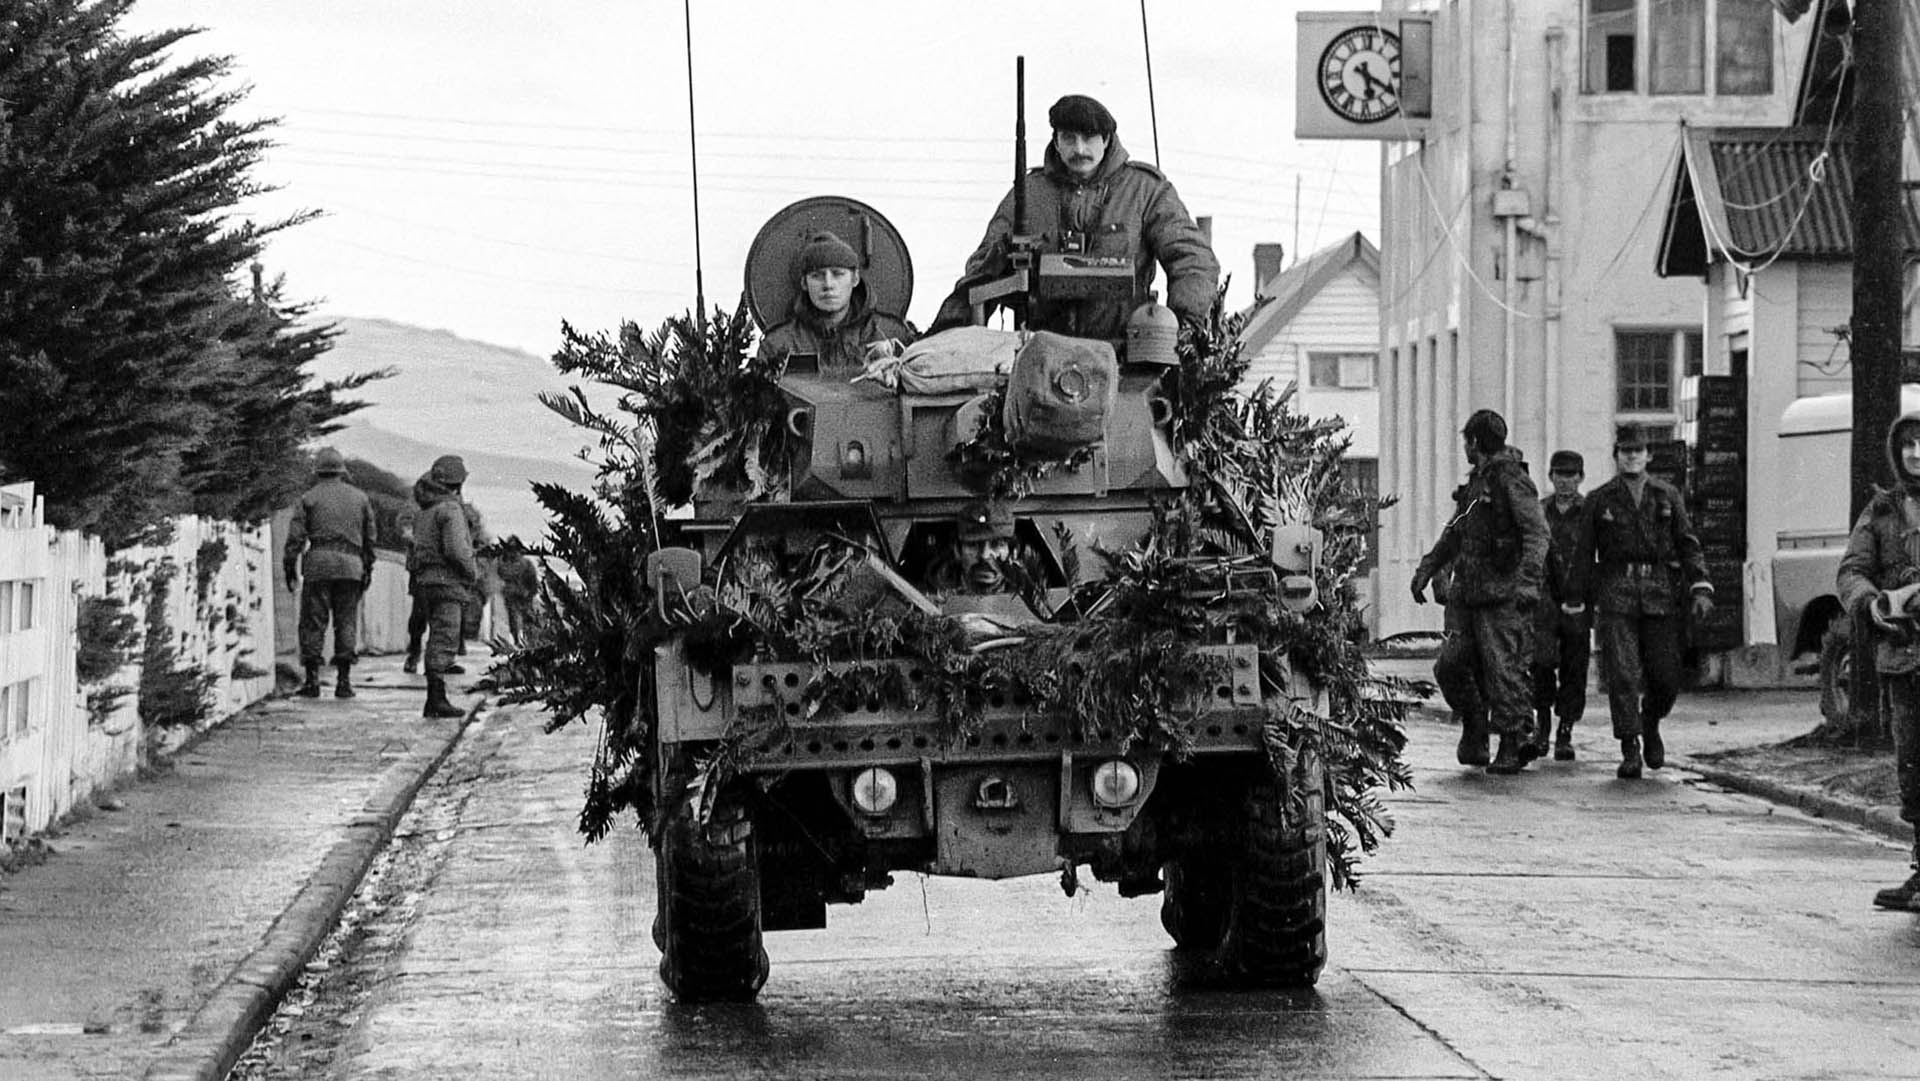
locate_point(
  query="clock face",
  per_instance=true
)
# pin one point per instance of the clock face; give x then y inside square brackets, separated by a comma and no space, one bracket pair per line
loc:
[1360,74]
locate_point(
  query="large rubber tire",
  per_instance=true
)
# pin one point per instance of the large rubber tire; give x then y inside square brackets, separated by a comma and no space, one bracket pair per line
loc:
[1836,672]
[1276,932]
[1193,908]
[709,924]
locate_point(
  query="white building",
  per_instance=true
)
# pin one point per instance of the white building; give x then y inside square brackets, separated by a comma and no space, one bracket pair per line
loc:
[1518,234]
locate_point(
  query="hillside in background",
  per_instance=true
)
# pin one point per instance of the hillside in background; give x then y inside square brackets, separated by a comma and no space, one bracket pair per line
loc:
[449,395]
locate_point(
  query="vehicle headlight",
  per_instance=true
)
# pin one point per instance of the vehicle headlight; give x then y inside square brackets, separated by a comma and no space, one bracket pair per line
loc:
[874,791]
[1115,783]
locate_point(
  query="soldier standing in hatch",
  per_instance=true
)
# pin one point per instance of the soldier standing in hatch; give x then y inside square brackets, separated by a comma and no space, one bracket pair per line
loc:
[333,526]
[1637,559]
[1496,548]
[832,316]
[1091,197]
[1563,642]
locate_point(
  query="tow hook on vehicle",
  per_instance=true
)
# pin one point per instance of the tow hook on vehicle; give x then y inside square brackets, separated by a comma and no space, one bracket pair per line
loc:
[995,794]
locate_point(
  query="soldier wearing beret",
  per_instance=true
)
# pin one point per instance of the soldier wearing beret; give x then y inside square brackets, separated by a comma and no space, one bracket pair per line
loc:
[1638,565]
[1091,197]
[1562,643]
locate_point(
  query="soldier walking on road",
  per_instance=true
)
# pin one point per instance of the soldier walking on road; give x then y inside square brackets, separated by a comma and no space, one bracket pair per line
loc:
[1637,565]
[1881,574]
[1562,642]
[333,526]
[443,572]
[1495,548]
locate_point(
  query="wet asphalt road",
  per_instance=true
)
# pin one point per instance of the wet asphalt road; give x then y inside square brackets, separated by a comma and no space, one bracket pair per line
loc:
[1560,924]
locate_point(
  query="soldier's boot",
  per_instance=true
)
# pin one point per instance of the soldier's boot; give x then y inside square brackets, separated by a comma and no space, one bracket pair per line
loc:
[411,665]
[456,670]
[437,704]
[1629,759]
[1473,742]
[311,688]
[1656,749]
[1906,896]
[1563,742]
[1536,745]
[1511,757]
[342,686]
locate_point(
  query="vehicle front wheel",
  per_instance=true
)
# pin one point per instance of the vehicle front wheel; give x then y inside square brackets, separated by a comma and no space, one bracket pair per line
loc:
[1194,907]
[708,927]
[1276,928]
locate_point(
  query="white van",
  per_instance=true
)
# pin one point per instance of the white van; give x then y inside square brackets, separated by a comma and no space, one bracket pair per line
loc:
[1814,488]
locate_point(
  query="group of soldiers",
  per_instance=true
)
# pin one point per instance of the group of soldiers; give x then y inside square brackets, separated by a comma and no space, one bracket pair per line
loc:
[1527,582]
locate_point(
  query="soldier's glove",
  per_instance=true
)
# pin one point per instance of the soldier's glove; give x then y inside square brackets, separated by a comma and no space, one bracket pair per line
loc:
[1702,606]
[1419,589]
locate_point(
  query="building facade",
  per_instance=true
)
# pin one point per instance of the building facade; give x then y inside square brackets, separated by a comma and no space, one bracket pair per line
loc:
[1518,236]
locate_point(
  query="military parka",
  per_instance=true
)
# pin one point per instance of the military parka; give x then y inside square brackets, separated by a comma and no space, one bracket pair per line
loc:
[1639,558]
[1495,546]
[333,525]
[1126,208]
[1883,553]
[840,347]
[441,558]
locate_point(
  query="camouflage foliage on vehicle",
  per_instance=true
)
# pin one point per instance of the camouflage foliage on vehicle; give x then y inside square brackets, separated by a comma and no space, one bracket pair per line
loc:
[691,394]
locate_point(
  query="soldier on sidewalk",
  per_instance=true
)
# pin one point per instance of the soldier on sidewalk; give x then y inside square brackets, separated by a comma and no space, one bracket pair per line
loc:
[1637,566]
[1496,548]
[1562,642]
[443,569]
[329,563]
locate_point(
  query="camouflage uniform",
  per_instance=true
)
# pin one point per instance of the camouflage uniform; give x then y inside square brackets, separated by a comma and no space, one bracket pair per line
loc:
[329,550]
[1494,550]
[1633,566]
[1563,642]
[1883,553]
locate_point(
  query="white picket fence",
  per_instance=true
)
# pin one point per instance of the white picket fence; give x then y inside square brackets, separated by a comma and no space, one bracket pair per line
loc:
[218,606]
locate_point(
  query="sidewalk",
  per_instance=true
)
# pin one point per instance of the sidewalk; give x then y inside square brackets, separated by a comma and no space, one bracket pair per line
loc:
[155,939]
[1705,724]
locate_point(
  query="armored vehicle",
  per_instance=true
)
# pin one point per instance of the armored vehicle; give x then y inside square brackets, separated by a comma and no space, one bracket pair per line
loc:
[804,775]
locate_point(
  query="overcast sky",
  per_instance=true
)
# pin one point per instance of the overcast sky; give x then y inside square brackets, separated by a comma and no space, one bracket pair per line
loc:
[492,167]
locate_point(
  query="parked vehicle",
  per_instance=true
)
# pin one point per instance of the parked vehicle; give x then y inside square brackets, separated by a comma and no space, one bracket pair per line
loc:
[1813,490]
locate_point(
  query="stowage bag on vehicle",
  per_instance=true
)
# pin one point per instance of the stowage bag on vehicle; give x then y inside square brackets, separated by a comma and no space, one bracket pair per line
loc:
[1060,395]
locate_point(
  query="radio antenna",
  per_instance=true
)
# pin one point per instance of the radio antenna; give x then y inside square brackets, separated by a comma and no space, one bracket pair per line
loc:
[1146,45]
[1019,146]
[693,147]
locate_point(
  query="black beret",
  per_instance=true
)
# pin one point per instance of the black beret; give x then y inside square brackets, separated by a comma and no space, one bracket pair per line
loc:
[1078,112]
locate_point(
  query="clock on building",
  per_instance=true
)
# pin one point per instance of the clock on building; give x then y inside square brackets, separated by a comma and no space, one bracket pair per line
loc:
[1360,74]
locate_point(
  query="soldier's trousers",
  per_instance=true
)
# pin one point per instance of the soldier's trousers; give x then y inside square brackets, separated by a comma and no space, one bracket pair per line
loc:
[1561,654]
[443,605]
[1484,665]
[1903,709]
[323,600]
[1640,660]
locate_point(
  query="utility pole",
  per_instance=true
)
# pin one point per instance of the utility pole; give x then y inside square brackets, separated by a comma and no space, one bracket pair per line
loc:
[1879,249]
[1879,238]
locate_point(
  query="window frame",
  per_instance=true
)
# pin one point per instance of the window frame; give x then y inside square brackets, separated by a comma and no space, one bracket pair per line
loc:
[1712,66]
[1686,346]
[1339,357]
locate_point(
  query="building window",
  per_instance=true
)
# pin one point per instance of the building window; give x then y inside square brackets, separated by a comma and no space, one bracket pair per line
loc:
[1648,365]
[1612,27]
[15,702]
[23,606]
[1340,371]
[6,606]
[1744,49]
[1677,40]
[1364,475]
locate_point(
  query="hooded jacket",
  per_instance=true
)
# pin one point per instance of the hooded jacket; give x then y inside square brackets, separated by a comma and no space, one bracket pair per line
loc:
[1126,208]
[1495,547]
[1883,553]
[840,346]
[442,555]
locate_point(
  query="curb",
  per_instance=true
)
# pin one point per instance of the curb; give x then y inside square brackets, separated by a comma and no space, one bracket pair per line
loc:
[212,1041]
[1882,820]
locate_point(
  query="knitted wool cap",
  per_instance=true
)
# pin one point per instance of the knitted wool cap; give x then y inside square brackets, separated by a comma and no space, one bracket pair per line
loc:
[449,470]
[329,463]
[827,250]
[1486,428]
[1078,112]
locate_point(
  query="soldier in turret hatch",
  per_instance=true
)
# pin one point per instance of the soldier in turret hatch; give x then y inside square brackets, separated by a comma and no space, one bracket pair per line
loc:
[832,317]
[1091,197]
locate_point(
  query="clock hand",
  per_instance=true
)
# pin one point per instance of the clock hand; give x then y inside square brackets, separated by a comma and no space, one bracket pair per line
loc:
[1367,75]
